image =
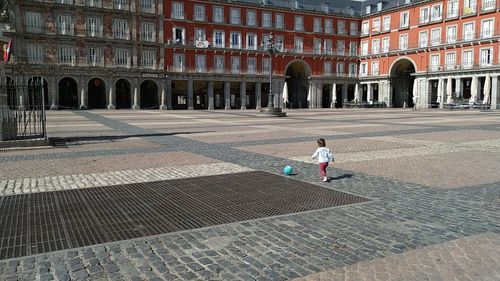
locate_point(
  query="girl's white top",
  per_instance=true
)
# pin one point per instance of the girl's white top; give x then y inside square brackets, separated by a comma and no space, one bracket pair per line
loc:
[324,155]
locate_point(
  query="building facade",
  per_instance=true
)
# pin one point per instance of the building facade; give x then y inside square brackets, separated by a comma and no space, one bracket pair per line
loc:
[431,53]
[213,54]
[90,53]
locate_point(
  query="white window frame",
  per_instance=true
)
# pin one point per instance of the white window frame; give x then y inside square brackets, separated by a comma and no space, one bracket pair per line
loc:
[235,65]
[235,16]
[33,22]
[218,14]
[178,10]
[148,32]
[437,12]
[376,25]
[341,47]
[435,62]
[353,27]
[488,33]
[423,39]
[472,34]
[376,46]
[233,36]
[341,27]
[375,71]
[467,64]
[298,45]
[200,63]
[298,23]
[219,64]
[365,28]
[328,46]
[364,48]
[450,11]
[266,66]
[66,55]
[251,65]
[450,64]
[425,15]
[317,25]
[95,56]
[402,16]
[327,68]
[386,23]
[252,38]
[222,38]
[488,5]
[279,21]
[353,49]
[403,44]
[147,6]
[451,37]
[329,26]
[148,59]
[386,47]
[482,60]
[34,52]
[469,7]
[317,46]
[251,19]
[436,41]
[199,12]
[340,69]
[121,57]
[65,25]
[94,26]
[179,62]
[121,29]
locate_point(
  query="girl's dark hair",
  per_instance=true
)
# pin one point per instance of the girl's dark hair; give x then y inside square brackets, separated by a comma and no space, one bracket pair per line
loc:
[321,142]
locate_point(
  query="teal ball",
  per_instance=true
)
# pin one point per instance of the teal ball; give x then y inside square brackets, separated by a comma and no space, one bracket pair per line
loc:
[288,170]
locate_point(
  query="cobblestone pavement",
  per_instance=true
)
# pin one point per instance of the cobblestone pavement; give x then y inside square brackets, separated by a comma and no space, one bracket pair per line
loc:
[433,177]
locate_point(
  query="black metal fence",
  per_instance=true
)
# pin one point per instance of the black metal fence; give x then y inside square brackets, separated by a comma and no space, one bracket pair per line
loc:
[23,116]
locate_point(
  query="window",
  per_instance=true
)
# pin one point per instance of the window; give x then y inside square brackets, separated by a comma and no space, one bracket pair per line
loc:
[179,35]
[33,22]
[386,24]
[452,10]
[451,34]
[368,9]
[328,26]
[219,41]
[122,5]
[365,28]
[317,25]
[467,59]
[251,18]
[235,65]
[450,61]
[423,39]
[122,57]
[147,6]
[340,47]
[353,49]
[235,16]
[95,56]
[327,68]
[363,69]
[436,12]
[375,68]
[267,20]
[200,63]
[353,69]
[435,62]
[280,38]
[148,59]
[379,6]
[179,62]
[376,26]
[486,57]
[404,20]
[424,15]
[68,2]
[317,46]
[148,32]
[219,64]
[199,12]
[403,42]
[469,7]
[251,65]
[487,28]
[299,45]
[385,45]
[66,55]
[468,31]
[266,66]
[376,46]
[328,46]
[65,25]
[299,23]
[354,29]
[235,40]
[280,21]
[35,53]
[200,36]
[252,41]
[341,27]
[120,29]
[436,36]
[340,68]
[218,15]
[93,3]
[364,48]
[178,10]
[488,5]
[94,27]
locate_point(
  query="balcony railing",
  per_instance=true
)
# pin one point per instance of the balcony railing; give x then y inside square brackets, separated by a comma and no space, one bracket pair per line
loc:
[452,13]
[488,5]
[469,11]
[463,66]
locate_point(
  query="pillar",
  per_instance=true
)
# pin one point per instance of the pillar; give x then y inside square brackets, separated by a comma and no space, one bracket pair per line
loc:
[168,96]
[163,94]
[319,95]
[54,94]
[369,93]
[136,100]
[190,94]
[210,95]
[83,94]
[258,95]
[494,93]
[227,95]
[243,95]
[111,98]
[344,93]
[461,87]
[333,95]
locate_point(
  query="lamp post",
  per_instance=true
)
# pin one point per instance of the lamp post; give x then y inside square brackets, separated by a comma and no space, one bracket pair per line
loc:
[272,47]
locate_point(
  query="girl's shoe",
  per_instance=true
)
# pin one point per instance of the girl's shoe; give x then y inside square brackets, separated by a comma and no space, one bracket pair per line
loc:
[325,179]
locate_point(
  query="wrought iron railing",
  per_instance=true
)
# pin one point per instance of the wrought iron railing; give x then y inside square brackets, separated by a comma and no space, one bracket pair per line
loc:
[23,117]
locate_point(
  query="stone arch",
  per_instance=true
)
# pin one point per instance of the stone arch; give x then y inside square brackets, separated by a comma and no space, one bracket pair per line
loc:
[402,82]
[149,94]
[123,94]
[297,78]
[96,92]
[68,93]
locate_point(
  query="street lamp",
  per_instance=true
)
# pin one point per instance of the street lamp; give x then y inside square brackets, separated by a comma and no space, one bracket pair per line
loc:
[271,46]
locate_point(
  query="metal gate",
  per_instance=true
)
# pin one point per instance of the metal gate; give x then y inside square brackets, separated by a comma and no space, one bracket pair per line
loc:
[23,113]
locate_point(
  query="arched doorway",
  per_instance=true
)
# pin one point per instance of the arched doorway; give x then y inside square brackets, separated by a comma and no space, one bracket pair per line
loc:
[297,74]
[149,95]
[122,90]
[35,91]
[402,83]
[97,93]
[68,93]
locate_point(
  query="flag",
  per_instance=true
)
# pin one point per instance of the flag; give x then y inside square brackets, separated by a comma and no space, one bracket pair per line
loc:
[6,51]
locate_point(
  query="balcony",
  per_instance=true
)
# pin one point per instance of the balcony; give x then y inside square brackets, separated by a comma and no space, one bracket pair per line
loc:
[317,29]
[452,14]
[488,6]
[469,11]
[376,30]
[33,28]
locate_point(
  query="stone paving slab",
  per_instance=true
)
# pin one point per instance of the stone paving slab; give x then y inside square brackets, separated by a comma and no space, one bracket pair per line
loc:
[455,136]
[472,258]
[96,179]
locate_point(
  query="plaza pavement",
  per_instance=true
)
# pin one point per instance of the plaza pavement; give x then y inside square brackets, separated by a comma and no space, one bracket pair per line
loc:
[433,177]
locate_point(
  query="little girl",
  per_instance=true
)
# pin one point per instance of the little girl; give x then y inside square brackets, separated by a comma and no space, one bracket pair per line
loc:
[324,156]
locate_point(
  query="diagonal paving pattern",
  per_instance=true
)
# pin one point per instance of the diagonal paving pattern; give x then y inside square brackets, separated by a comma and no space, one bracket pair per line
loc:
[403,217]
